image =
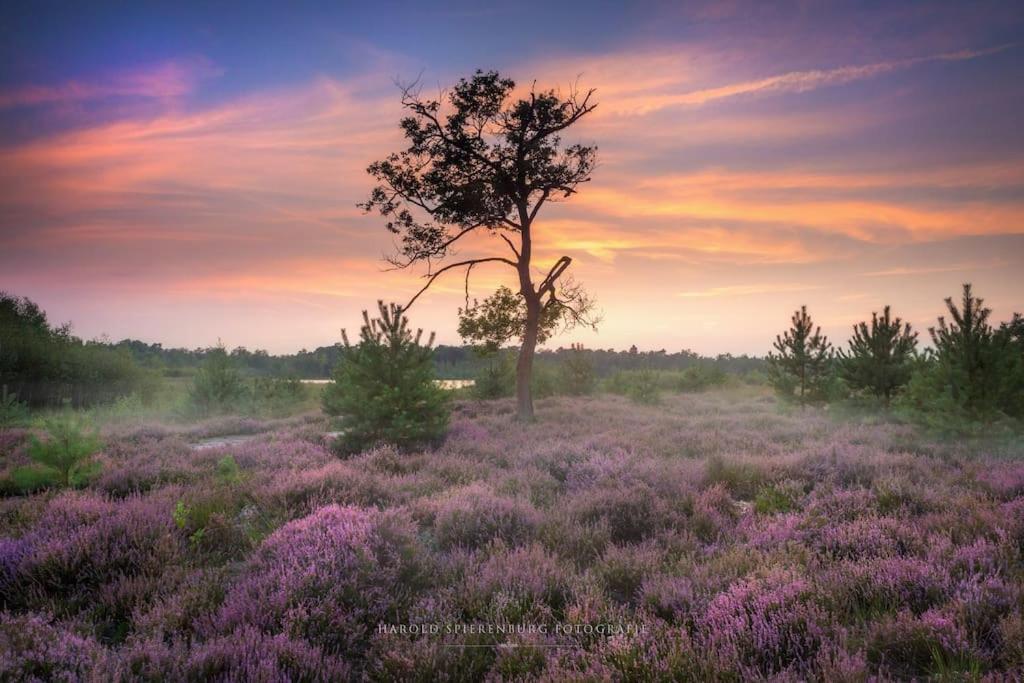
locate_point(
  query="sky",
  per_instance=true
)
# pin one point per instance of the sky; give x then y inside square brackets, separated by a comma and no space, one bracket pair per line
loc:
[185,173]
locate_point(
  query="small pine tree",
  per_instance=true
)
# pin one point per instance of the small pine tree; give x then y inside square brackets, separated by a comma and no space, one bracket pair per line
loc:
[577,372]
[968,357]
[880,358]
[383,388]
[65,457]
[217,386]
[801,368]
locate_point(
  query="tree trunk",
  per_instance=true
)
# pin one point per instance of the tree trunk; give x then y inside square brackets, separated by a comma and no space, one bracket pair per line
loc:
[524,366]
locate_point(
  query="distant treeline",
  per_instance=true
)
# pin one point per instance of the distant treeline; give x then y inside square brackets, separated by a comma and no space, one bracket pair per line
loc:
[42,364]
[45,365]
[451,362]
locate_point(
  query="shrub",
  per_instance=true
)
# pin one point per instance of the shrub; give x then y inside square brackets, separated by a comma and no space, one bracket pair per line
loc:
[277,397]
[497,378]
[218,386]
[383,387]
[641,386]
[65,457]
[13,413]
[576,373]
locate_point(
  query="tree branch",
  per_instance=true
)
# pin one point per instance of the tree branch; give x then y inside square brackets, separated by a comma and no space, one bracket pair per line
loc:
[469,262]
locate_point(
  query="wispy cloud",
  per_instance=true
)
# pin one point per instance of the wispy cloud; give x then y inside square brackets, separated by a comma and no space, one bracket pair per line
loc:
[160,81]
[927,270]
[747,290]
[803,81]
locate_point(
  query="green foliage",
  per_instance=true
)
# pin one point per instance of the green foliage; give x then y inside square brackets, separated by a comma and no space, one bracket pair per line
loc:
[801,363]
[576,373]
[778,497]
[699,378]
[641,386]
[218,386]
[497,379]
[1010,340]
[64,458]
[976,374]
[967,355]
[383,388]
[13,413]
[228,471]
[500,319]
[544,381]
[880,358]
[45,366]
[277,397]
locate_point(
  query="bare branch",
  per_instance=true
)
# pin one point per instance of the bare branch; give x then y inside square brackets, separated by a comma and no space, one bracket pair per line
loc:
[470,262]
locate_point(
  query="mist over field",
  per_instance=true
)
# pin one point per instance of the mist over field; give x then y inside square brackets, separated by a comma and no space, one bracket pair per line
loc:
[541,342]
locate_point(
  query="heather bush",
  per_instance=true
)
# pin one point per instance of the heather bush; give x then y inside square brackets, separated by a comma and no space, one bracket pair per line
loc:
[248,654]
[749,543]
[329,578]
[83,544]
[521,585]
[621,571]
[35,648]
[765,626]
[474,515]
[383,388]
[907,646]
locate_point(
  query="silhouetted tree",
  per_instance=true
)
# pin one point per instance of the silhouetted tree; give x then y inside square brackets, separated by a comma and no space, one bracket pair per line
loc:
[880,357]
[800,368]
[484,162]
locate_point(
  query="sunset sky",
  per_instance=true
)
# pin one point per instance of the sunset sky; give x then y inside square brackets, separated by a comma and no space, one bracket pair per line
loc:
[181,175]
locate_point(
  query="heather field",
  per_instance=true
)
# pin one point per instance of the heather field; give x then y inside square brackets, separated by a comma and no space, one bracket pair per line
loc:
[713,536]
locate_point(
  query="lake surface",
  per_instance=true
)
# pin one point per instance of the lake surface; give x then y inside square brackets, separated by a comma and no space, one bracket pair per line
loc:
[443,383]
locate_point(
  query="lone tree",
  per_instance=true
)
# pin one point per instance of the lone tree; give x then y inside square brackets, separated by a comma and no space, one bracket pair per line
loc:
[880,358]
[801,366]
[485,163]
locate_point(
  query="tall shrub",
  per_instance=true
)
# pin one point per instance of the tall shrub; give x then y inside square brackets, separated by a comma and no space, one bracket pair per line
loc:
[383,388]
[217,386]
[577,372]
